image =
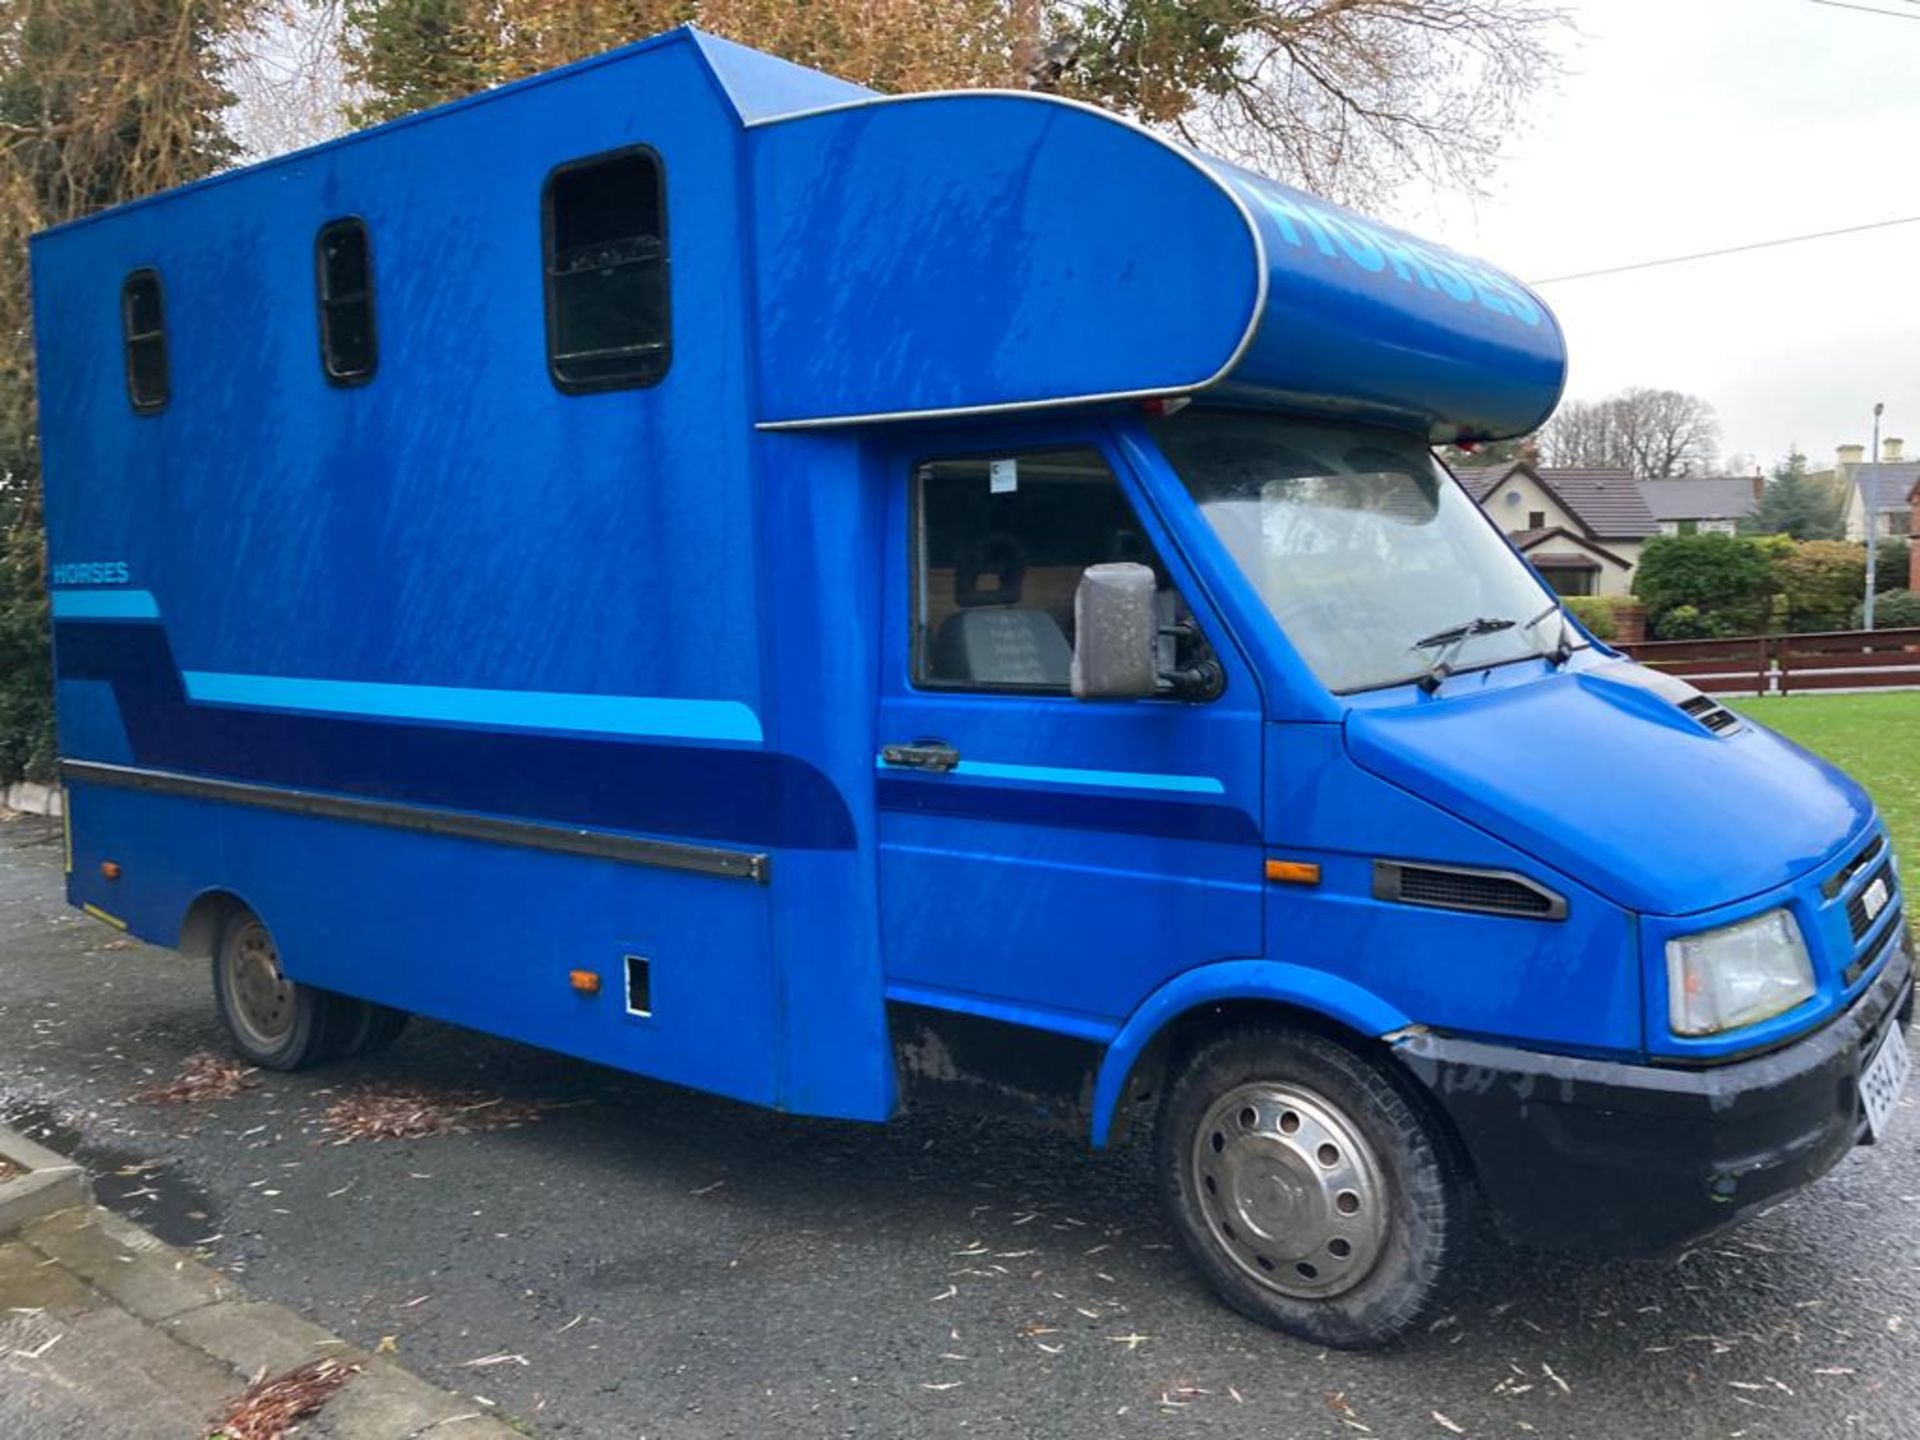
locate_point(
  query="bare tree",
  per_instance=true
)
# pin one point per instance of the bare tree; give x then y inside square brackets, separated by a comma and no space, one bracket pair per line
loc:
[288,78]
[1657,434]
[1348,97]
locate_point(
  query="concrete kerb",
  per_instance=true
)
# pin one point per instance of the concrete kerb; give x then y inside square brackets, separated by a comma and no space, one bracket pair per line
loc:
[46,1183]
[182,1302]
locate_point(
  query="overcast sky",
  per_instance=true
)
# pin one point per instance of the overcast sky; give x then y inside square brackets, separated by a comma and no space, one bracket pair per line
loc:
[1685,125]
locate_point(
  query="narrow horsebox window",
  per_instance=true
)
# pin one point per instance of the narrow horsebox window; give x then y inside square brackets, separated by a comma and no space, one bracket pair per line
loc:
[343,277]
[605,240]
[143,321]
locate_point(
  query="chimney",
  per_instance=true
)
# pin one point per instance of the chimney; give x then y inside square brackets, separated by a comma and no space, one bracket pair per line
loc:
[1892,451]
[1851,454]
[1759,486]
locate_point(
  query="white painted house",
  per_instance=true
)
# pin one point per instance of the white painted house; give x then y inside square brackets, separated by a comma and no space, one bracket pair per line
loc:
[1704,505]
[1581,529]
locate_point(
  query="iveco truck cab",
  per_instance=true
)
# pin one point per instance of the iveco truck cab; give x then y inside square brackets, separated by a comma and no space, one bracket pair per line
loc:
[844,600]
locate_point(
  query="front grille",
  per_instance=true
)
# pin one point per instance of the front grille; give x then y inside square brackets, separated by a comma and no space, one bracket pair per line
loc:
[1837,882]
[1711,713]
[1871,955]
[1857,918]
[1483,892]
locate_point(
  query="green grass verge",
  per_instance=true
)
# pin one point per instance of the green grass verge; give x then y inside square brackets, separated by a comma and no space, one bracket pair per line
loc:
[1874,738]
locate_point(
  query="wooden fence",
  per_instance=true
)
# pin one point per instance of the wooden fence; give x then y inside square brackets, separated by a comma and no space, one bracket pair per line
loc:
[1784,664]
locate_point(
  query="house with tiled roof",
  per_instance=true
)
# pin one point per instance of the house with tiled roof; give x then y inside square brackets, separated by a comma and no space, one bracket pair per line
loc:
[1885,488]
[1702,505]
[1582,529]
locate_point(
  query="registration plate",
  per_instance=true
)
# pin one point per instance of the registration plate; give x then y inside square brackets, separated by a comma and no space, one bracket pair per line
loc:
[1882,1080]
[1874,898]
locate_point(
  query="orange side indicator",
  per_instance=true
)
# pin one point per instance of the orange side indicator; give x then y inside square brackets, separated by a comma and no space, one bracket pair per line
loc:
[110,869]
[1293,872]
[585,981]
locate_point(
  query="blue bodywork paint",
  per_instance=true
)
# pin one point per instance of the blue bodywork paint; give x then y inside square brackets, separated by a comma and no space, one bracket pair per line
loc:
[681,613]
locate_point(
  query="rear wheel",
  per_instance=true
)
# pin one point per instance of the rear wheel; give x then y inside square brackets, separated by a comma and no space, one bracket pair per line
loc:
[1307,1188]
[375,1027]
[274,1022]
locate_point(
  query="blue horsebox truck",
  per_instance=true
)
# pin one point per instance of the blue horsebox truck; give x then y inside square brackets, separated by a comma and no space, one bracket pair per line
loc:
[838,599]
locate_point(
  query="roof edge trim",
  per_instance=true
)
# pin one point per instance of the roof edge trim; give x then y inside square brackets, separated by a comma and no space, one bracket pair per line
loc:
[1192,159]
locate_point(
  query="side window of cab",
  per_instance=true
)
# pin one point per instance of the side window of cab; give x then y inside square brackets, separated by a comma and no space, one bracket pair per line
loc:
[1000,543]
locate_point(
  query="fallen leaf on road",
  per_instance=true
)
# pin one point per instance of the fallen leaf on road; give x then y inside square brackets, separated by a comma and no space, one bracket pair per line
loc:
[944,1385]
[386,1111]
[1444,1423]
[488,1361]
[202,1076]
[270,1408]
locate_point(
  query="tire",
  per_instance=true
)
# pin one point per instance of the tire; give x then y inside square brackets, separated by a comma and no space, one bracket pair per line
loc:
[273,1022]
[374,1028]
[1308,1188]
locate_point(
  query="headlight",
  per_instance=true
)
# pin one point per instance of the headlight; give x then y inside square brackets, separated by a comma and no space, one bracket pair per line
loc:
[1723,979]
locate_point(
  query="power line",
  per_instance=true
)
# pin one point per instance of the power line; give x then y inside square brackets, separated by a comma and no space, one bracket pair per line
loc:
[1867,9]
[1729,250]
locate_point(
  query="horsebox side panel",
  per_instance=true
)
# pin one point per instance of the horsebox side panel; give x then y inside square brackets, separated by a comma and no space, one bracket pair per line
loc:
[453,589]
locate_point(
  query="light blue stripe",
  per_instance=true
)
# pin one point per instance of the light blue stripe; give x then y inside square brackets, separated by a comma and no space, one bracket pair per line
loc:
[1058,775]
[526,709]
[105,605]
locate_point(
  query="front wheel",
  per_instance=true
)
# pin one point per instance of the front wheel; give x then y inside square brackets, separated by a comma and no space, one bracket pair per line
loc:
[1305,1186]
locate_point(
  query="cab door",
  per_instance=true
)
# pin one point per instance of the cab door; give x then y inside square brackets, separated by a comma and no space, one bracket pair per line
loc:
[1043,859]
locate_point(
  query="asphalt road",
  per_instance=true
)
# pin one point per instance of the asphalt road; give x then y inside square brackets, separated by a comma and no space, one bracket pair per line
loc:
[640,1261]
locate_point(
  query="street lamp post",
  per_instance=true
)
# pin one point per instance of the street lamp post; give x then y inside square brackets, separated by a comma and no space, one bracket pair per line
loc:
[1871,504]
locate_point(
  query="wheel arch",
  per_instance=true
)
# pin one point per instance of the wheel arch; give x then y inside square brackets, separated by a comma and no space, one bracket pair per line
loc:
[1211,997]
[206,913]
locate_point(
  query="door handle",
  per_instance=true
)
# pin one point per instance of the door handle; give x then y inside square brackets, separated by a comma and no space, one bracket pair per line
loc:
[935,756]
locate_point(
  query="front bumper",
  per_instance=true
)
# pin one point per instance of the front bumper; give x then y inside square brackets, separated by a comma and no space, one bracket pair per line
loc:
[1638,1159]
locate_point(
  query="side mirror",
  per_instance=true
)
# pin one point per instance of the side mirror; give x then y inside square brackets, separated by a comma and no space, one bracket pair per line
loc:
[1116,630]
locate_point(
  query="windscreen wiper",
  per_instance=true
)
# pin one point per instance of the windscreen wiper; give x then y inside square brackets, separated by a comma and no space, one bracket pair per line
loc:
[1450,640]
[1563,647]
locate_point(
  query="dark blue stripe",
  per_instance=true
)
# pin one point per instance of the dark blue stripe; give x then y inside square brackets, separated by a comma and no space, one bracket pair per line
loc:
[1052,806]
[739,796]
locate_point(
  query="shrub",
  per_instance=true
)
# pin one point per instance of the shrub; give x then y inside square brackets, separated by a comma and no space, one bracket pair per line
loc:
[26,663]
[1819,582]
[1726,580]
[1596,613]
[1891,562]
[1688,622]
[1892,610]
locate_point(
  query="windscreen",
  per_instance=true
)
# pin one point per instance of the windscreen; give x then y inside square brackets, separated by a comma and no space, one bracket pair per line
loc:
[1375,562]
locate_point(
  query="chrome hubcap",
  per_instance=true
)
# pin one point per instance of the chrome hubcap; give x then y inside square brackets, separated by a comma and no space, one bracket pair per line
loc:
[261,998]
[1291,1190]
